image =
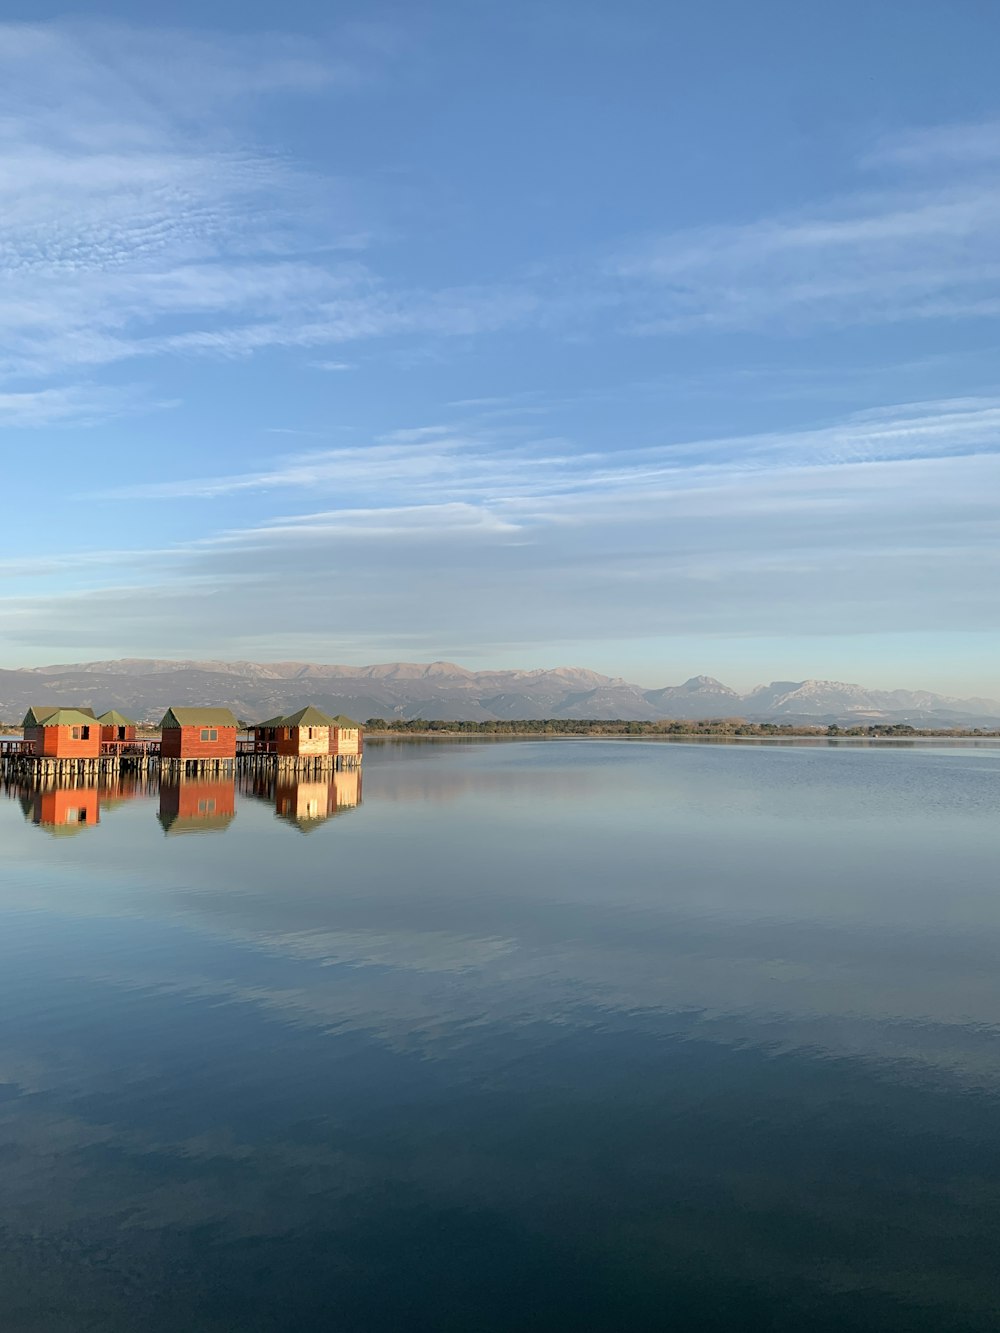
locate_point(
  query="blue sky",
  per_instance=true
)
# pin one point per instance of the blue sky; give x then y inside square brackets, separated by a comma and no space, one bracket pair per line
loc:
[654,338]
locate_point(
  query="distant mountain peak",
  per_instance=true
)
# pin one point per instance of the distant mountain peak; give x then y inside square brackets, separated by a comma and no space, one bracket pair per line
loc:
[442,690]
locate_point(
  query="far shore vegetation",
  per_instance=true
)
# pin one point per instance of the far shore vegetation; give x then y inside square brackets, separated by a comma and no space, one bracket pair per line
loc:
[727,726]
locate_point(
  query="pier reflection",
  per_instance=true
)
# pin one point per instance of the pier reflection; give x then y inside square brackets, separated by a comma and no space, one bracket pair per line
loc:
[202,804]
[307,800]
[68,807]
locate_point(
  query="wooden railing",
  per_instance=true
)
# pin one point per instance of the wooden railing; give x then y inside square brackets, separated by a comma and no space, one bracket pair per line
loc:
[11,749]
[256,747]
[131,749]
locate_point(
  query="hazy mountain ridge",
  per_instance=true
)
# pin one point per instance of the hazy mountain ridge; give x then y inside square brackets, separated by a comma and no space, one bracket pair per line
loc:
[145,688]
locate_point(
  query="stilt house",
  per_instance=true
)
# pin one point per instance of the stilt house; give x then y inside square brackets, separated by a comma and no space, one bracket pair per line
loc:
[296,735]
[204,735]
[350,737]
[306,734]
[116,727]
[63,733]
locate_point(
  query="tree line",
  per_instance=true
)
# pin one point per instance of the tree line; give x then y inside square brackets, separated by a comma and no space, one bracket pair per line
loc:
[727,726]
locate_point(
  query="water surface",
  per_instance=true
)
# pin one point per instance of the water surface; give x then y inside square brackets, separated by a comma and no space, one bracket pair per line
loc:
[584,1035]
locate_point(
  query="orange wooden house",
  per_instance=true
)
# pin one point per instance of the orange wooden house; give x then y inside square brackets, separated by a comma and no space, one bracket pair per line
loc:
[308,733]
[116,727]
[302,734]
[63,733]
[197,805]
[204,735]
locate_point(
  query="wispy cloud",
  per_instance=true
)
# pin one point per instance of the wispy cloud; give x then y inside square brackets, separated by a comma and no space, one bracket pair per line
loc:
[140,217]
[128,227]
[938,147]
[926,245]
[884,521]
[469,461]
[863,261]
[80,404]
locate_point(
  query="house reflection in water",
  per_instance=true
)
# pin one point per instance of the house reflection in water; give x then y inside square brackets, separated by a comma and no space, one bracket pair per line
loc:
[197,805]
[62,811]
[62,808]
[308,802]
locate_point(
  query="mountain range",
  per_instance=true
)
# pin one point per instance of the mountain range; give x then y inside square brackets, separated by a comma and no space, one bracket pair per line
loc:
[145,688]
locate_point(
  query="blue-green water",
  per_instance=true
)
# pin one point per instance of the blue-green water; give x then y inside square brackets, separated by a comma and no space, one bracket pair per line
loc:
[540,1036]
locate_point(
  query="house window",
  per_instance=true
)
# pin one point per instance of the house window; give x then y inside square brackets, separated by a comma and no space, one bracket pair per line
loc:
[121,733]
[85,733]
[75,733]
[209,734]
[206,807]
[309,733]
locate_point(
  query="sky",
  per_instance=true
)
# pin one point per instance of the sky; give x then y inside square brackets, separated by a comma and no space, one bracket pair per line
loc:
[656,338]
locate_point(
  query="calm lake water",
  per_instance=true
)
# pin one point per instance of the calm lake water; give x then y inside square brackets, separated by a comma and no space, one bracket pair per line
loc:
[555,1036]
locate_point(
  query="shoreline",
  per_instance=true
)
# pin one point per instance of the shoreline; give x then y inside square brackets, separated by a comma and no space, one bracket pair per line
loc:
[989,739]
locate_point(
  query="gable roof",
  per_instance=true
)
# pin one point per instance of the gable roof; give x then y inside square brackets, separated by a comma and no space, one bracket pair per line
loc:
[197,717]
[342,720]
[112,718]
[58,717]
[308,717]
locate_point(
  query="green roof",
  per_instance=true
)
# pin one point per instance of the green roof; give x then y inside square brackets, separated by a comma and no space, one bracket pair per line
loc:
[347,722]
[42,717]
[58,717]
[174,824]
[197,717]
[112,718]
[309,716]
[308,823]
[65,830]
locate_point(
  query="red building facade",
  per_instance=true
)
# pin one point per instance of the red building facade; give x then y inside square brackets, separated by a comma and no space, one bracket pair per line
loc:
[115,727]
[63,733]
[205,735]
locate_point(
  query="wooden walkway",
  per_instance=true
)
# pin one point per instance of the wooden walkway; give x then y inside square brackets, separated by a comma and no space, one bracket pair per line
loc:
[19,759]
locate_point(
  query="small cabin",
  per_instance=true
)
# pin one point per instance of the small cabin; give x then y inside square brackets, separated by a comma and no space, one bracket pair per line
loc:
[197,805]
[201,735]
[116,728]
[265,734]
[305,734]
[63,733]
[349,736]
